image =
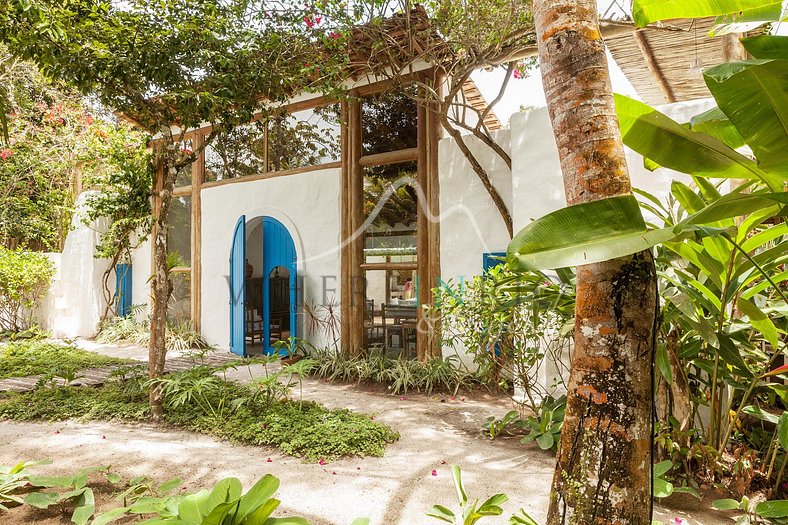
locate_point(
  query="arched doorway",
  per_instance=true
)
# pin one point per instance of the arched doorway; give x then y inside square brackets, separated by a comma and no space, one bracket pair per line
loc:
[263,295]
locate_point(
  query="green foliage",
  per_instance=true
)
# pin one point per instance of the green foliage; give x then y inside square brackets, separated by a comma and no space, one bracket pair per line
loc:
[473,512]
[776,511]
[180,335]
[400,374]
[201,402]
[58,143]
[545,428]
[24,280]
[647,11]
[12,481]
[34,357]
[509,323]
[77,493]
[308,430]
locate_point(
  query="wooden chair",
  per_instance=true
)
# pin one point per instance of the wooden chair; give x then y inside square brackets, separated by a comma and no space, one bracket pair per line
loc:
[253,326]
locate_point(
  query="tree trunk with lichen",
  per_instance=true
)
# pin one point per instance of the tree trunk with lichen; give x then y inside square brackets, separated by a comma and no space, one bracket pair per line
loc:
[603,471]
[161,284]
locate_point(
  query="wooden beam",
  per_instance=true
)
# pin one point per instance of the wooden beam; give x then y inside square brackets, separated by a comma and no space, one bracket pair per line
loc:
[390,265]
[272,174]
[389,157]
[354,287]
[653,66]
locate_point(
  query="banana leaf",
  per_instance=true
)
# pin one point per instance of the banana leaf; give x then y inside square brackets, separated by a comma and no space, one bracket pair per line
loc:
[669,144]
[754,96]
[767,46]
[646,11]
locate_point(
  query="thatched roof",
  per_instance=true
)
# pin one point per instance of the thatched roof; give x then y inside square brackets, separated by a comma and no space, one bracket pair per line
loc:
[657,60]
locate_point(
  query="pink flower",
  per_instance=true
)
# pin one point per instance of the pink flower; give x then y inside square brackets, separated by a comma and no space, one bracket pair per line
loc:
[6,153]
[518,74]
[269,460]
[334,35]
[434,472]
[312,22]
[678,521]
[321,462]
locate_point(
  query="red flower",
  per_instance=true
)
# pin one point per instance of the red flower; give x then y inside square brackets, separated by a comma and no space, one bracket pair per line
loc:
[333,34]
[434,472]
[518,74]
[321,462]
[6,153]
[269,460]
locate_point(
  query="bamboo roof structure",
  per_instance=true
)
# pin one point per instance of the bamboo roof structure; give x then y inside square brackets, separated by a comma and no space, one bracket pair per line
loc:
[663,63]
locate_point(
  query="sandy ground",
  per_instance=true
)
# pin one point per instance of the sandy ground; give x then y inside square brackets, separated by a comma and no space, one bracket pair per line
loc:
[395,489]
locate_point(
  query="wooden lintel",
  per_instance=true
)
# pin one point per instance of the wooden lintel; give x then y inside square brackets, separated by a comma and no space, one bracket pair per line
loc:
[273,174]
[389,157]
[653,66]
[390,266]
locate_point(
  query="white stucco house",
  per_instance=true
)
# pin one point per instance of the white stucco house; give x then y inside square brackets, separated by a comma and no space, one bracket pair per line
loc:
[348,210]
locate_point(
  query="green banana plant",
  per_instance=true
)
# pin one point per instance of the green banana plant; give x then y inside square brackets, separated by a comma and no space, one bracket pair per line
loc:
[728,12]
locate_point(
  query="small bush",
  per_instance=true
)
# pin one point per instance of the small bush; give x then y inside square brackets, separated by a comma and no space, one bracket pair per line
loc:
[24,280]
[180,335]
[34,357]
[215,407]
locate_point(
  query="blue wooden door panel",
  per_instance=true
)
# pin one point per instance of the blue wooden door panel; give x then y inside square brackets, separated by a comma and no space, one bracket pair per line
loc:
[238,288]
[123,287]
[278,250]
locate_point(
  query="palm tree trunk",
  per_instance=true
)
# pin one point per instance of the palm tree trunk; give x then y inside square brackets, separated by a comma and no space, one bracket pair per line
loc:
[603,472]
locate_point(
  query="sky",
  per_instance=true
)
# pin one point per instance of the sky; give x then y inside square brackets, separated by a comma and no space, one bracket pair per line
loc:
[528,91]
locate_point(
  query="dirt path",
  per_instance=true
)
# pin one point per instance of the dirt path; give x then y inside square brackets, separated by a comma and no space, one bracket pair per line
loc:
[395,489]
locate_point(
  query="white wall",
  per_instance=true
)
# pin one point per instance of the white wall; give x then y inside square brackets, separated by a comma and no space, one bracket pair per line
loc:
[306,203]
[75,301]
[470,222]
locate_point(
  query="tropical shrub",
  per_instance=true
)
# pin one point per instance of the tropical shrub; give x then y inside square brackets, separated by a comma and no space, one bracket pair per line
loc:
[24,280]
[180,335]
[199,401]
[400,374]
[512,325]
[34,357]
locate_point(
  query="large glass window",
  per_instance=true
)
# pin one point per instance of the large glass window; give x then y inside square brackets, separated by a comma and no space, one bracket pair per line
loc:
[184,176]
[236,153]
[179,251]
[294,140]
[389,122]
[304,138]
[390,209]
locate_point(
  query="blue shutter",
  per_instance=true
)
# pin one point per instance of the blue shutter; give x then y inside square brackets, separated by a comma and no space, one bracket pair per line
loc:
[238,288]
[490,260]
[123,289]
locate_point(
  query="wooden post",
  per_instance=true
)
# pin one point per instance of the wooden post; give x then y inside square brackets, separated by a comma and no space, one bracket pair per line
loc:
[355,287]
[198,175]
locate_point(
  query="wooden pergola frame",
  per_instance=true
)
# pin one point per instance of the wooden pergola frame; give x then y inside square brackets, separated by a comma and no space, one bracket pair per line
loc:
[352,163]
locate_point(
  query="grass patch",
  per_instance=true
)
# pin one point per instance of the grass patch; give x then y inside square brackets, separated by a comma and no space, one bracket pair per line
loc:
[210,405]
[34,357]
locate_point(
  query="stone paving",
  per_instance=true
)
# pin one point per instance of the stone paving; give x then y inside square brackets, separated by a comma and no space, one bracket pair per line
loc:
[99,376]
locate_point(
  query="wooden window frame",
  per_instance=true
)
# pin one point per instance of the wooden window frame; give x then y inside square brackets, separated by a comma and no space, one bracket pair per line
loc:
[353,264]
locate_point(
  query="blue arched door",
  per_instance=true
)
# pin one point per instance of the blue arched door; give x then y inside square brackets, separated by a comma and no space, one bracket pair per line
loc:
[278,251]
[238,288]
